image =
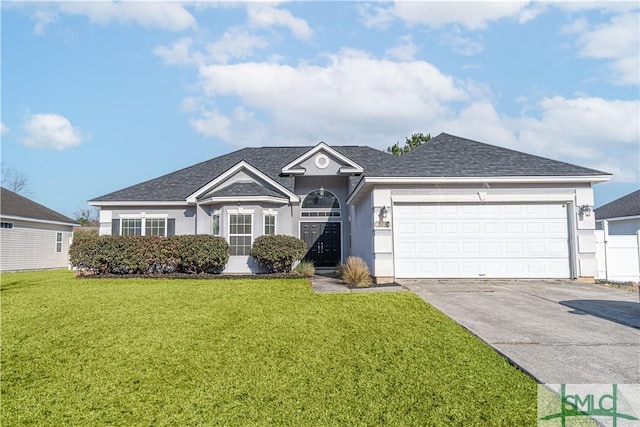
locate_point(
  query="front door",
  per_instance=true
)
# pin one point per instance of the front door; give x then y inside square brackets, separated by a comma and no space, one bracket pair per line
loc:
[323,243]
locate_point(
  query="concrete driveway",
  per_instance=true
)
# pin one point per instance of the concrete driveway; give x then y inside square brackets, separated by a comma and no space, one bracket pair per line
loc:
[559,331]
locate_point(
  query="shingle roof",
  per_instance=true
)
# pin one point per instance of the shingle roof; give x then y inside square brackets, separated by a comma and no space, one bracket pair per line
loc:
[628,205]
[451,156]
[443,156]
[177,186]
[13,204]
[244,189]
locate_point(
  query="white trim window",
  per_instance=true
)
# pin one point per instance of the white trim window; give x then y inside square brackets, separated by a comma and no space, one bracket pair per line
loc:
[131,227]
[155,227]
[269,222]
[240,233]
[215,223]
[143,225]
[59,242]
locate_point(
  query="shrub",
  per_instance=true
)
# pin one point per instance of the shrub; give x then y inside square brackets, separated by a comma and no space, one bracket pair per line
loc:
[200,253]
[305,268]
[83,250]
[278,252]
[354,272]
[149,254]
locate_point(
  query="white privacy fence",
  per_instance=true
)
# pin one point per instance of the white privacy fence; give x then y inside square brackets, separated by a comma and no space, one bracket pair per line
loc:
[618,256]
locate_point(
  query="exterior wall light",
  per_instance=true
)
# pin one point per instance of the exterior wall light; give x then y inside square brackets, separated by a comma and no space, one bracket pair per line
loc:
[382,218]
[585,210]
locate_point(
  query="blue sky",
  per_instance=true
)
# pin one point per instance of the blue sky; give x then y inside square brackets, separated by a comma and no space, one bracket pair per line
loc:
[97,96]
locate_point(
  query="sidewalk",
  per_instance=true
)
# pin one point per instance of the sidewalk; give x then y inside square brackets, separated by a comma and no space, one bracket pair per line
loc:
[329,283]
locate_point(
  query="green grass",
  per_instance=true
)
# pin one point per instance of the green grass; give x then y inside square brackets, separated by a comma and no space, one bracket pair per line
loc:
[242,352]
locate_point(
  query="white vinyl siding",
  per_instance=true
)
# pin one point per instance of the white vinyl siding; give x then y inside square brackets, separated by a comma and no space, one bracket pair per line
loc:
[33,246]
[471,240]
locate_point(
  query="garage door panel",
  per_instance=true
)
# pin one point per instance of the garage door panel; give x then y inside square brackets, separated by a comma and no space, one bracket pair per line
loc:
[481,240]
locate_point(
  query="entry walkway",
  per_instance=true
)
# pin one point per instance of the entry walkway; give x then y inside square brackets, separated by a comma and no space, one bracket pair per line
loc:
[559,331]
[328,282]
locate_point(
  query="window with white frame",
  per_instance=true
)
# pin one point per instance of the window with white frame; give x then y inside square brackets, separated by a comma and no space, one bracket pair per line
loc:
[131,227]
[215,224]
[240,234]
[143,225]
[155,227]
[269,224]
[58,242]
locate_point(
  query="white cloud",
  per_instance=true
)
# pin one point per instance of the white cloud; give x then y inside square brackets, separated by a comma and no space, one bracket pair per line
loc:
[164,15]
[619,42]
[263,15]
[213,124]
[592,132]
[50,131]
[473,15]
[179,53]
[235,43]
[4,129]
[404,50]
[42,18]
[462,45]
[354,94]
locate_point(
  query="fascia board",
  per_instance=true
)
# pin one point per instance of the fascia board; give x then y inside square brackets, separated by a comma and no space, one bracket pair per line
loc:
[138,203]
[619,218]
[244,199]
[368,181]
[43,221]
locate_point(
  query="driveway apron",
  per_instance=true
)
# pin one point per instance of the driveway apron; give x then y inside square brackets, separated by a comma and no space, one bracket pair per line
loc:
[559,331]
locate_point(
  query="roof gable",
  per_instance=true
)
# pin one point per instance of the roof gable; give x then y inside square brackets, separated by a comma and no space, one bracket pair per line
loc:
[348,166]
[625,206]
[14,205]
[254,173]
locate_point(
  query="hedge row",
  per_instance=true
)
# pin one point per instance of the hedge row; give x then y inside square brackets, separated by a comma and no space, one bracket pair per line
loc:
[146,254]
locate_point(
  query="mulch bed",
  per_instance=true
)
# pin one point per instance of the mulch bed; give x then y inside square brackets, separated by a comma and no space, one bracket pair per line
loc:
[92,275]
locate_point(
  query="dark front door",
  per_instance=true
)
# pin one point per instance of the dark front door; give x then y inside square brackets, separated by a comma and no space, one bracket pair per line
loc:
[323,242]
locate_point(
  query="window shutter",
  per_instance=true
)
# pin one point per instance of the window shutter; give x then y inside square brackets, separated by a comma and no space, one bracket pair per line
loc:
[115,227]
[171,226]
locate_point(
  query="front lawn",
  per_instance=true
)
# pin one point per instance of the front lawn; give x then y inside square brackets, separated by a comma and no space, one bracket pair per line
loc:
[242,352]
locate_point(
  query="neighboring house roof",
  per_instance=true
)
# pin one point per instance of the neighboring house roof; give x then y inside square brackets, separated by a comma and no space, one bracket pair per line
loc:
[625,206]
[14,205]
[443,156]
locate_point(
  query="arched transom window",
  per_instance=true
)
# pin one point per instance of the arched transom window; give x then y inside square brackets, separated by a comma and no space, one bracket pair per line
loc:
[320,202]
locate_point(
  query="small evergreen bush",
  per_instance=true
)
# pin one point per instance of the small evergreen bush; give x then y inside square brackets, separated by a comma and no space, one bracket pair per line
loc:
[278,252]
[354,272]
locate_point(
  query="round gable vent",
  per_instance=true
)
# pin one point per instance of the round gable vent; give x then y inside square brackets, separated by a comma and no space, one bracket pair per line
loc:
[321,161]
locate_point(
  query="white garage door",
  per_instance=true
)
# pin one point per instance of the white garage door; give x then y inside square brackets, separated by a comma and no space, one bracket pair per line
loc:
[481,240]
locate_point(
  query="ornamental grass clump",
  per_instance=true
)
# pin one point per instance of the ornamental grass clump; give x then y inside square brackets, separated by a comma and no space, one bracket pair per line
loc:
[305,269]
[354,272]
